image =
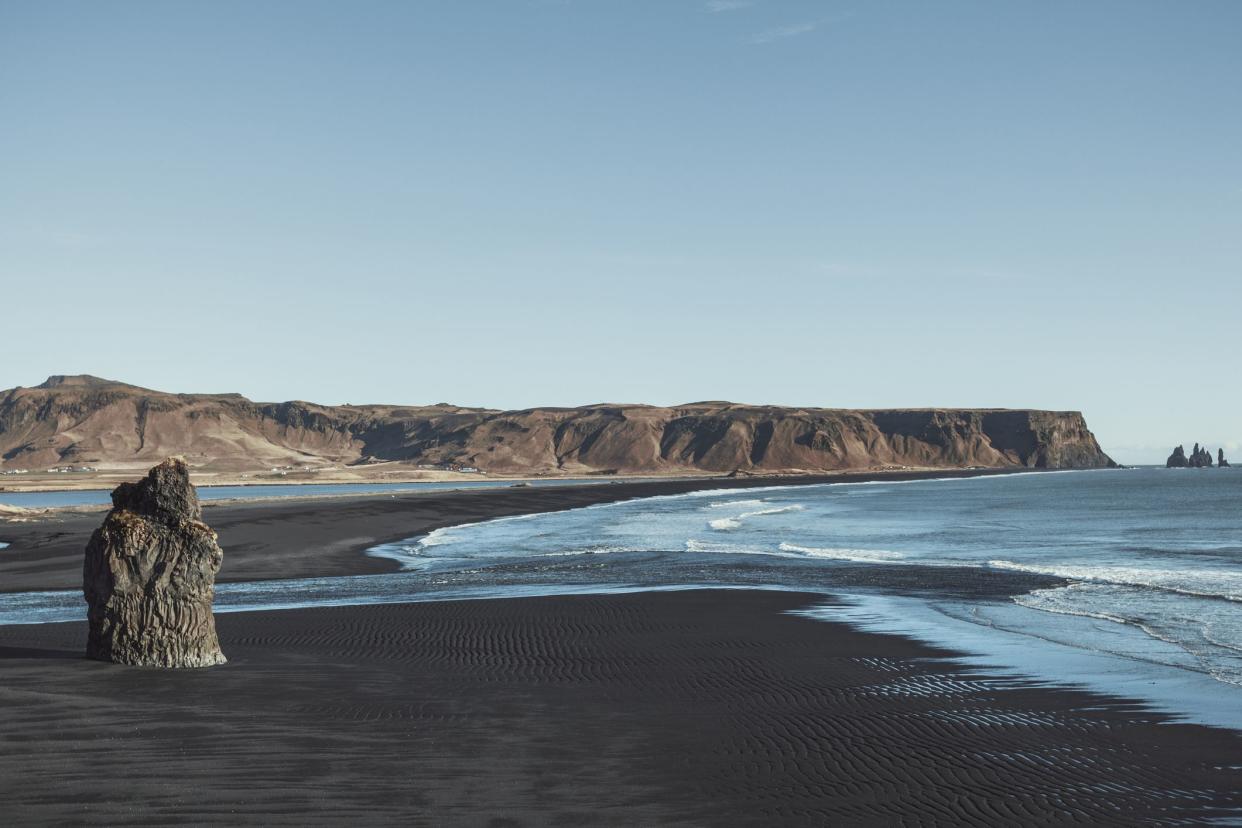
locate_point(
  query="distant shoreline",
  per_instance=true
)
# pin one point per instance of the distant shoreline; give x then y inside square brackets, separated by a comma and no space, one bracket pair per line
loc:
[48,482]
[295,537]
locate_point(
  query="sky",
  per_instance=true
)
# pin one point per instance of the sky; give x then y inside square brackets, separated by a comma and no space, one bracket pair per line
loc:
[519,203]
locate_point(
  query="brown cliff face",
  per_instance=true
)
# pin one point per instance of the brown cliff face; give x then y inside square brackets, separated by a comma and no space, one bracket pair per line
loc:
[87,421]
[149,576]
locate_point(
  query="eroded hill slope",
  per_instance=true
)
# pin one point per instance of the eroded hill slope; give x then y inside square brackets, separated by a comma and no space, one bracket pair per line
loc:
[90,421]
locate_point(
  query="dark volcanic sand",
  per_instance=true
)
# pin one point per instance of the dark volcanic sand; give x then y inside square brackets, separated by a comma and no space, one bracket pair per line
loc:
[270,539]
[704,707]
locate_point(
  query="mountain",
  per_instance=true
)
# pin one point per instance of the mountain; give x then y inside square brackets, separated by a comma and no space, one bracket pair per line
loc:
[85,420]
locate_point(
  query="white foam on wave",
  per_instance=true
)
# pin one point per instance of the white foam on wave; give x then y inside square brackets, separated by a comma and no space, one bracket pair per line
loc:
[837,554]
[437,537]
[710,493]
[594,550]
[406,555]
[728,524]
[414,554]
[1052,600]
[1205,583]
[776,510]
[711,547]
[732,504]
[411,553]
[789,550]
[1121,662]
[1210,631]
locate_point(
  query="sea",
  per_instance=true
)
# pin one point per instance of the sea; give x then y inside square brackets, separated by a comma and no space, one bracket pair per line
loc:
[1127,581]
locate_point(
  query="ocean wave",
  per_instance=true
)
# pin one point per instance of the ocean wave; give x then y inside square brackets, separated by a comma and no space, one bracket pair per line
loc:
[836,554]
[708,493]
[407,552]
[594,550]
[776,510]
[1054,600]
[412,553]
[408,556]
[1203,583]
[436,537]
[699,494]
[728,524]
[1212,635]
[713,548]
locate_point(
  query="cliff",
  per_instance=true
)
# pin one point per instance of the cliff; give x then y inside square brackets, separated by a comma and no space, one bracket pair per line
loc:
[87,421]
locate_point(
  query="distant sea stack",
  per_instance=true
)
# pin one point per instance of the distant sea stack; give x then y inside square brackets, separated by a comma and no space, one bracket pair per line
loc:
[1220,459]
[1200,458]
[82,421]
[149,576]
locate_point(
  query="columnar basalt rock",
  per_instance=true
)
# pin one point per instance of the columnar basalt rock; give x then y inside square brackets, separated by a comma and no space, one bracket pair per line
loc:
[149,575]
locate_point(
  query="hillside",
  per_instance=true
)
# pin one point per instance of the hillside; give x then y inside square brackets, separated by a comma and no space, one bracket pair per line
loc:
[87,421]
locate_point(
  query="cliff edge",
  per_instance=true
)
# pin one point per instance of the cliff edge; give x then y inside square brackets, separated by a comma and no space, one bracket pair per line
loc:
[87,421]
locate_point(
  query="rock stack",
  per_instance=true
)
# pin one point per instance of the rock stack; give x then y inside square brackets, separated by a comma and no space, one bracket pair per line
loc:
[1200,458]
[149,576]
[1220,459]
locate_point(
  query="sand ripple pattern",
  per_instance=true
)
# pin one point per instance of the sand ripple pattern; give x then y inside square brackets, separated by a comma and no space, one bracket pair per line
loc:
[704,707]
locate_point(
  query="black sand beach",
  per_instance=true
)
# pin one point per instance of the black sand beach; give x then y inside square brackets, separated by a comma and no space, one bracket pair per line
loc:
[705,707]
[713,707]
[304,538]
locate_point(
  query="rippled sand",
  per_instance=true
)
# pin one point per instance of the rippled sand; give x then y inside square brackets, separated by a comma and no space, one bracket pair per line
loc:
[703,707]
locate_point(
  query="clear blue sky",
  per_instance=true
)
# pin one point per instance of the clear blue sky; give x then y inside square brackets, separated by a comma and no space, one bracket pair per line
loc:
[517,203]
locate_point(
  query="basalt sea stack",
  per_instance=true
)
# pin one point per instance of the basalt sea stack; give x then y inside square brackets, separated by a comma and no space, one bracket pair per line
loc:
[1200,458]
[1177,460]
[150,573]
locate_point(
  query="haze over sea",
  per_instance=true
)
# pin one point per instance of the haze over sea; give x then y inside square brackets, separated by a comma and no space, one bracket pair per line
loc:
[1129,580]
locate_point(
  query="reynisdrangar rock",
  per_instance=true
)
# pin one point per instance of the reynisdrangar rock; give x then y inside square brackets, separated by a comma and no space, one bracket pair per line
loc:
[149,576]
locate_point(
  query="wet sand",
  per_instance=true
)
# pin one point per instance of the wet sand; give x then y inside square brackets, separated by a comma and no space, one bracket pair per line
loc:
[304,538]
[708,707]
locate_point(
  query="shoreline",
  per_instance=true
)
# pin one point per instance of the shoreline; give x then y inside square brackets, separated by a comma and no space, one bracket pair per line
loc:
[698,706]
[105,481]
[1161,684]
[279,538]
